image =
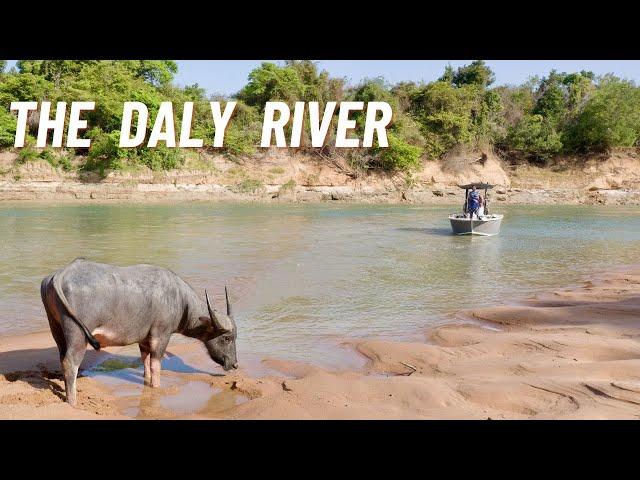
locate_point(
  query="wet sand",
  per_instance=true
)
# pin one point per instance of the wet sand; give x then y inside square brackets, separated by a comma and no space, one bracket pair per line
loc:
[567,354]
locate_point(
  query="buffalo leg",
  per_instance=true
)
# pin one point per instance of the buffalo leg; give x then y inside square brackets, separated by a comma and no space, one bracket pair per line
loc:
[58,335]
[70,365]
[158,348]
[76,346]
[156,368]
[54,325]
[145,356]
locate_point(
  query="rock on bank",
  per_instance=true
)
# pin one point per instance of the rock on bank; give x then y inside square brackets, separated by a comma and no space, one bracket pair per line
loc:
[282,176]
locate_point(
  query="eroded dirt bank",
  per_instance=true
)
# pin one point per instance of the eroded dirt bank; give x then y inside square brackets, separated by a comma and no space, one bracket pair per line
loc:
[281,176]
[567,354]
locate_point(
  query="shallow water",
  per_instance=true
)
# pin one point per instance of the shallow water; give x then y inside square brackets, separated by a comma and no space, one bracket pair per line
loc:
[303,278]
[186,383]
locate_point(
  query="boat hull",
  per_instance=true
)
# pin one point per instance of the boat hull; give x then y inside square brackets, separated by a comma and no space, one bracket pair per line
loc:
[486,227]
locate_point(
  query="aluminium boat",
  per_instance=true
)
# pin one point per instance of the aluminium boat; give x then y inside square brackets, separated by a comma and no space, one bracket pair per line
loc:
[484,223]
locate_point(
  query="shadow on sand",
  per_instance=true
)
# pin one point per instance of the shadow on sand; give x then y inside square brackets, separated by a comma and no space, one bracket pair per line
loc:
[129,367]
[39,366]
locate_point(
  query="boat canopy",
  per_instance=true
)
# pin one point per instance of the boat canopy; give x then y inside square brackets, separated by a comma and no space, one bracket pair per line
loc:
[479,186]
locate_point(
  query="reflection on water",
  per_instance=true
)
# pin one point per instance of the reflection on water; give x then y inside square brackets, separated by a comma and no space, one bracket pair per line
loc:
[180,394]
[305,277]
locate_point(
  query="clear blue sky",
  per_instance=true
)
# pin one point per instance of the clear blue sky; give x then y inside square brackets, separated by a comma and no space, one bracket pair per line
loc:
[228,76]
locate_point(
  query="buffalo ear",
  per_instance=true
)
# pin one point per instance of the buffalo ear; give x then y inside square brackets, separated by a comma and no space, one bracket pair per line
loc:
[206,321]
[212,327]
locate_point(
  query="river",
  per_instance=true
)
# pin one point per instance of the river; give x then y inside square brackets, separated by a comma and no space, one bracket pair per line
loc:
[305,277]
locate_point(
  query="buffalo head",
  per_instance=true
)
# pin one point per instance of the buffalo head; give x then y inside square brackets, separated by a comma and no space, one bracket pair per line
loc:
[221,335]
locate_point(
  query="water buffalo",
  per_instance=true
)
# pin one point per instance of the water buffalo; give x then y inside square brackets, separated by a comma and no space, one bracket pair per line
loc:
[108,305]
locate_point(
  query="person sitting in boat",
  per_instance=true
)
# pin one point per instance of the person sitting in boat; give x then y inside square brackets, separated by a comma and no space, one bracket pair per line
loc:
[473,202]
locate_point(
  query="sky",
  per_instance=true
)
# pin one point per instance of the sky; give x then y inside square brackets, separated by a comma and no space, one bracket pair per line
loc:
[228,76]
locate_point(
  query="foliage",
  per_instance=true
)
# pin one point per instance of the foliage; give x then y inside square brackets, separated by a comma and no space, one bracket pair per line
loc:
[57,159]
[7,128]
[110,84]
[445,114]
[610,118]
[296,80]
[559,113]
[28,153]
[104,153]
[243,131]
[269,83]
[156,72]
[161,158]
[249,185]
[476,73]
[535,136]
[290,185]
[22,88]
[398,156]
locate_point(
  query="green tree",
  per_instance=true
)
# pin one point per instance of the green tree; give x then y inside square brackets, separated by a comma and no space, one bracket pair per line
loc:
[110,84]
[446,114]
[53,70]
[296,80]
[242,135]
[23,87]
[562,112]
[403,92]
[270,82]
[156,72]
[373,90]
[398,156]
[317,85]
[448,75]
[609,118]
[560,95]
[536,137]
[404,128]
[476,73]
[551,103]
[7,128]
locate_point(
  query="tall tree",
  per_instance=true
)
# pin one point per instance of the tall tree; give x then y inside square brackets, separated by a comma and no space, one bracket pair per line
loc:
[476,73]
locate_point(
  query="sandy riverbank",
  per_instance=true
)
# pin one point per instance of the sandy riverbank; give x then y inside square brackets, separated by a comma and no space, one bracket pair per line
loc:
[76,192]
[567,354]
[276,176]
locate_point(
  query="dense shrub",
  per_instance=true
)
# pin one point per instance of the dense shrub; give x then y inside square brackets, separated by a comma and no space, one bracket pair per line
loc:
[535,136]
[398,156]
[162,158]
[249,185]
[559,113]
[610,118]
[7,128]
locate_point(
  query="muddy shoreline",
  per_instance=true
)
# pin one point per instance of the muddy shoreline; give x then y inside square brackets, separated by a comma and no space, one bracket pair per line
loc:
[76,192]
[572,353]
[280,176]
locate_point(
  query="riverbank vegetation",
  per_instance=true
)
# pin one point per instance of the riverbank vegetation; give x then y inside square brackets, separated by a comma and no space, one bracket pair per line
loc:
[562,113]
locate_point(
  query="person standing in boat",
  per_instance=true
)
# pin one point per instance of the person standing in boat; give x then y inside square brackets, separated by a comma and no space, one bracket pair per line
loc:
[474,202]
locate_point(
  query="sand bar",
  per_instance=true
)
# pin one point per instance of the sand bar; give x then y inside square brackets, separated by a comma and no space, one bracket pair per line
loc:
[567,354]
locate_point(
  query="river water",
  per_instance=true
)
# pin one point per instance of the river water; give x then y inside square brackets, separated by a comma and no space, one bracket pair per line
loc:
[305,277]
